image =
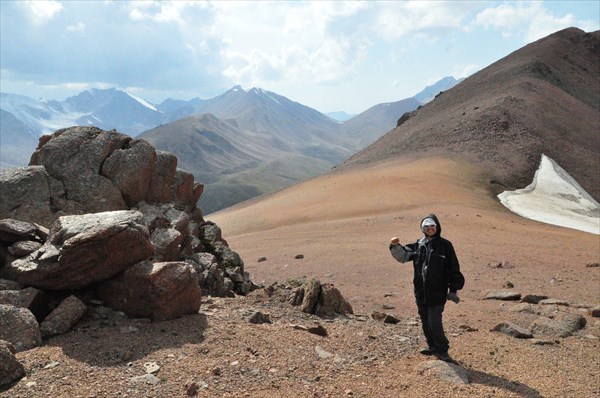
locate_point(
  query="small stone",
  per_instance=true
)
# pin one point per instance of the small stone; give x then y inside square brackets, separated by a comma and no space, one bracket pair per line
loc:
[592,265]
[299,256]
[595,312]
[467,328]
[512,330]
[509,285]
[151,367]
[502,295]
[51,365]
[261,259]
[322,353]
[542,342]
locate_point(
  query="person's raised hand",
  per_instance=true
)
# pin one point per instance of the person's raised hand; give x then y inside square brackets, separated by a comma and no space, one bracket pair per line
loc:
[453,297]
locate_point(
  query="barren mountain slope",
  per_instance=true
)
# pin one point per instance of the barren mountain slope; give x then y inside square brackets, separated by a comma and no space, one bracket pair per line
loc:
[342,223]
[541,99]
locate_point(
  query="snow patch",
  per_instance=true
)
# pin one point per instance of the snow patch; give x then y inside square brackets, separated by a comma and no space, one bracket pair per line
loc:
[554,197]
[143,102]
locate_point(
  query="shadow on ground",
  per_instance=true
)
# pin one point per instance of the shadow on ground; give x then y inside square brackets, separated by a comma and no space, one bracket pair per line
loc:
[112,342]
[523,390]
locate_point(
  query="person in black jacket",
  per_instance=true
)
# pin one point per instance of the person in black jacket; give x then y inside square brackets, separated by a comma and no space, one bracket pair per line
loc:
[437,278]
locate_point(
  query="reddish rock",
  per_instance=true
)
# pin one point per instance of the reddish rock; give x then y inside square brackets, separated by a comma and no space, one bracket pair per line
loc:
[10,368]
[158,291]
[63,318]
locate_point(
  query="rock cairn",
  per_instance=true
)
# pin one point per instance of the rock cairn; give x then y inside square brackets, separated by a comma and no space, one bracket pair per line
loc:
[100,218]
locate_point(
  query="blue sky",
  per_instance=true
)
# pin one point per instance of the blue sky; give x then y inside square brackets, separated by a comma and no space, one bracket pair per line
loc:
[330,56]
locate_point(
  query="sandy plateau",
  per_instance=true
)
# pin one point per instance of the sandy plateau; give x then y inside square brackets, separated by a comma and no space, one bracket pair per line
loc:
[341,223]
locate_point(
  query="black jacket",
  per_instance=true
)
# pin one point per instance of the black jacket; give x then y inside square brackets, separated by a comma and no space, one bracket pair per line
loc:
[436,267]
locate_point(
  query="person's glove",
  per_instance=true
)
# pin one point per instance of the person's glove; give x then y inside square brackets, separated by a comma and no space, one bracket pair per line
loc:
[453,297]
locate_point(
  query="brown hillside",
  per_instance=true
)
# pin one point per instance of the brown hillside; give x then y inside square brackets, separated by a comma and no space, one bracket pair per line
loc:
[541,99]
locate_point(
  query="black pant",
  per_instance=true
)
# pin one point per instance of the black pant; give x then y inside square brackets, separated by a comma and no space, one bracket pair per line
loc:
[431,319]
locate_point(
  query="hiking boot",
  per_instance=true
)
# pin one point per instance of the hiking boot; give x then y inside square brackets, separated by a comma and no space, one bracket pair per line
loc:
[443,356]
[427,351]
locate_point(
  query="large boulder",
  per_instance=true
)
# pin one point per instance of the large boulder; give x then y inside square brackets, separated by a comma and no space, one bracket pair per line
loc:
[75,156]
[84,249]
[30,194]
[158,291]
[131,169]
[19,327]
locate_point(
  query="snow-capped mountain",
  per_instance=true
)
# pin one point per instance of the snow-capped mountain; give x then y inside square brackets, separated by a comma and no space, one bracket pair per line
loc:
[107,109]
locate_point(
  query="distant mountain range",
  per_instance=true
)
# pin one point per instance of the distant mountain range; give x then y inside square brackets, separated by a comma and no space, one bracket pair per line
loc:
[243,142]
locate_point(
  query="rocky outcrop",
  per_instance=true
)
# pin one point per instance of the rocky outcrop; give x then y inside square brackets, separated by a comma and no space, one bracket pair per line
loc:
[320,299]
[124,229]
[82,170]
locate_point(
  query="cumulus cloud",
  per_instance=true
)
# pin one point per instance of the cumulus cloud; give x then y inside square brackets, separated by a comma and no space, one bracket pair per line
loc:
[41,12]
[297,42]
[531,20]
[395,20]
[161,11]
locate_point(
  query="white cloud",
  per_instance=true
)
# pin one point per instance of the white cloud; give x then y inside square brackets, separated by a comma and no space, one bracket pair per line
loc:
[42,12]
[531,20]
[460,71]
[78,27]
[398,19]
[294,42]
[161,11]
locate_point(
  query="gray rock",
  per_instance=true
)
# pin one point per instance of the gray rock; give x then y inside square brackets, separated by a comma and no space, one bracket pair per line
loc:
[40,190]
[14,231]
[63,318]
[23,248]
[19,327]
[441,370]
[6,284]
[11,369]
[512,330]
[331,302]
[563,325]
[595,311]
[31,298]
[502,295]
